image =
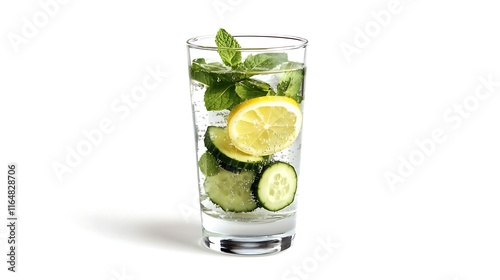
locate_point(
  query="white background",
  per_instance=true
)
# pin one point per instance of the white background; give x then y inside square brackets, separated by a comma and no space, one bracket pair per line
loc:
[127,211]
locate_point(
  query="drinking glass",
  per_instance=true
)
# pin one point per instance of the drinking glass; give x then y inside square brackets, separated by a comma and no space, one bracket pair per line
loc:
[247,102]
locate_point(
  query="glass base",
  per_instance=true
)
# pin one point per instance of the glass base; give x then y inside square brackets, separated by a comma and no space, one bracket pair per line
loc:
[258,237]
[248,245]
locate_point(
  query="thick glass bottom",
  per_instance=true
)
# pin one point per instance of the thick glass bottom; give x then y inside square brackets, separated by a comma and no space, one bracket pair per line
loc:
[248,245]
[248,238]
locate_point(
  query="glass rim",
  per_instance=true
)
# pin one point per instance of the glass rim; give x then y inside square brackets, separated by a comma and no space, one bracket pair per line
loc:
[301,43]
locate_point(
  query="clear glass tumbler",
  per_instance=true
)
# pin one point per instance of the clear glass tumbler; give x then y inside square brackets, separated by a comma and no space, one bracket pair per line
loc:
[247,94]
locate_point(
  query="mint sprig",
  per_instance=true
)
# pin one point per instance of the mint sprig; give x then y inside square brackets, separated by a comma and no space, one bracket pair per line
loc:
[213,73]
[230,82]
[251,88]
[291,83]
[264,61]
[227,48]
[208,164]
[221,97]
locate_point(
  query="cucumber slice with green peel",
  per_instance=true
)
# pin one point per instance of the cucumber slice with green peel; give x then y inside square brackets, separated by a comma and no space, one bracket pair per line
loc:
[219,145]
[232,191]
[276,186]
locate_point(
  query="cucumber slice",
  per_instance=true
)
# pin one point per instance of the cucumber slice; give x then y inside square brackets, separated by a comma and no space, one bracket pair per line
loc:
[219,145]
[232,191]
[276,187]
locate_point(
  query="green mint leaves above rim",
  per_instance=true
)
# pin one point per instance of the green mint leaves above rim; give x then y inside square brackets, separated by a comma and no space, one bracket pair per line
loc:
[231,82]
[227,48]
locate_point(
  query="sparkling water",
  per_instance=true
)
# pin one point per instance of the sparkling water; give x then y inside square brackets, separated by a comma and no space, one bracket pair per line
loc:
[271,229]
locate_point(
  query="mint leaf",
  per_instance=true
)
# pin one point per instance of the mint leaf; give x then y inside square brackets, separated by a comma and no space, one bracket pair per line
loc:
[264,61]
[291,82]
[221,97]
[208,164]
[213,72]
[200,71]
[226,45]
[251,88]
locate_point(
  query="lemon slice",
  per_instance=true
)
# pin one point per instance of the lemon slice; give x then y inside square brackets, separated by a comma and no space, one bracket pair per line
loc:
[264,125]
